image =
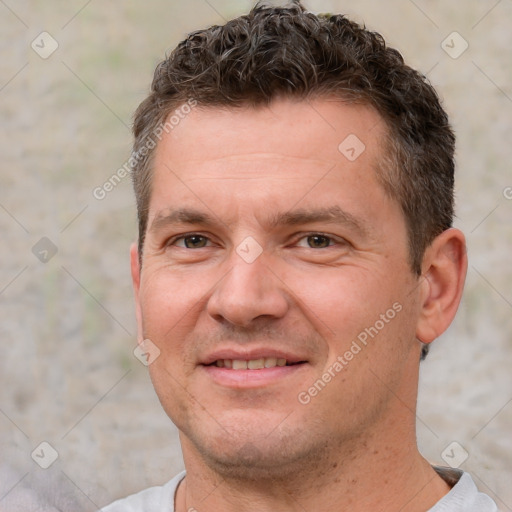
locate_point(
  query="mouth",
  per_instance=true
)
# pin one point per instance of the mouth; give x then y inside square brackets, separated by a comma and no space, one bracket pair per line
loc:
[251,369]
[253,364]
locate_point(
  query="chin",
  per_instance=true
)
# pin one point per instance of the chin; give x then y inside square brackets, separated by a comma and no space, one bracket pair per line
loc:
[249,456]
[257,463]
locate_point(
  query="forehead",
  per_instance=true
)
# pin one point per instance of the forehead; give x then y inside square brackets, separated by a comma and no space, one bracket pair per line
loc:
[252,162]
[325,129]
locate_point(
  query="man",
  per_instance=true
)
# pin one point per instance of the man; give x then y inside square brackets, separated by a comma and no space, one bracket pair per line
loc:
[294,183]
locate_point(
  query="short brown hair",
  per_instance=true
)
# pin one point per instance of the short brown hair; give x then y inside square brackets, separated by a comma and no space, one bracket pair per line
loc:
[286,51]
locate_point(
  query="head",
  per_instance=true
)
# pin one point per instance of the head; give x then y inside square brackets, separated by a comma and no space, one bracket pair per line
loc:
[263,107]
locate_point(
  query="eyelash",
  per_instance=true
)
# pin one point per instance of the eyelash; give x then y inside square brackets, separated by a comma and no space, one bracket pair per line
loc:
[331,238]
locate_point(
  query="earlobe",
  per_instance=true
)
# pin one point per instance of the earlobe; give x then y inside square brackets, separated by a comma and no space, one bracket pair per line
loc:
[444,274]
[135,270]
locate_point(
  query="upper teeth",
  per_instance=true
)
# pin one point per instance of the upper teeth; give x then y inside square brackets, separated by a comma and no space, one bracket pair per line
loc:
[253,364]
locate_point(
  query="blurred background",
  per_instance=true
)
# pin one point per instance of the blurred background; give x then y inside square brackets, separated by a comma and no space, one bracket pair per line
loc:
[71,75]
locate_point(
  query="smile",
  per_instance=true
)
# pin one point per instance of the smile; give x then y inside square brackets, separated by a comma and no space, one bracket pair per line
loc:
[252,373]
[252,364]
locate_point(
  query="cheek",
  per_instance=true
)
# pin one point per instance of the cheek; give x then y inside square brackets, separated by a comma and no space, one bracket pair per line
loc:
[364,316]
[168,315]
[167,294]
[169,307]
[342,301]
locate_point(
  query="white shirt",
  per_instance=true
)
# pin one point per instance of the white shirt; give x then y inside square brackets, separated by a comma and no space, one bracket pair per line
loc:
[463,497]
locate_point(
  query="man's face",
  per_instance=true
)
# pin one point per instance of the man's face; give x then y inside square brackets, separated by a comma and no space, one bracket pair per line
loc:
[242,263]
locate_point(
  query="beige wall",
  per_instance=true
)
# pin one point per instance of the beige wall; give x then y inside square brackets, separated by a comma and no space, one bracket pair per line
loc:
[68,373]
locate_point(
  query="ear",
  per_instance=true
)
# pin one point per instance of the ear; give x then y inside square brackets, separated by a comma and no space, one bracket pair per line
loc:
[444,270]
[136,271]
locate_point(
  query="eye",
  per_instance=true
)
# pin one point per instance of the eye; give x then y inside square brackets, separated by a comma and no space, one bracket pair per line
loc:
[192,241]
[317,241]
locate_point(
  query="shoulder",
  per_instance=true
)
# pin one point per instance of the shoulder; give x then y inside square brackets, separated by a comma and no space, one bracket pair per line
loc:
[464,495]
[153,499]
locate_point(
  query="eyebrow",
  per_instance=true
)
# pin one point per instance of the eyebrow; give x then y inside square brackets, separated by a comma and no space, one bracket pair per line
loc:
[331,215]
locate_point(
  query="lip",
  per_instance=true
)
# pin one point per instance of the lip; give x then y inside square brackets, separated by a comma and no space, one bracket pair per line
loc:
[247,379]
[250,354]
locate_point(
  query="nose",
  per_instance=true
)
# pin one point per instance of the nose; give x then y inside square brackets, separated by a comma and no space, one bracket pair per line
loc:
[247,292]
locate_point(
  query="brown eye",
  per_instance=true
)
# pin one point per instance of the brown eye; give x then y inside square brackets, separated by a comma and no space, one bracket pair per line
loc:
[191,242]
[195,241]
[318,241]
